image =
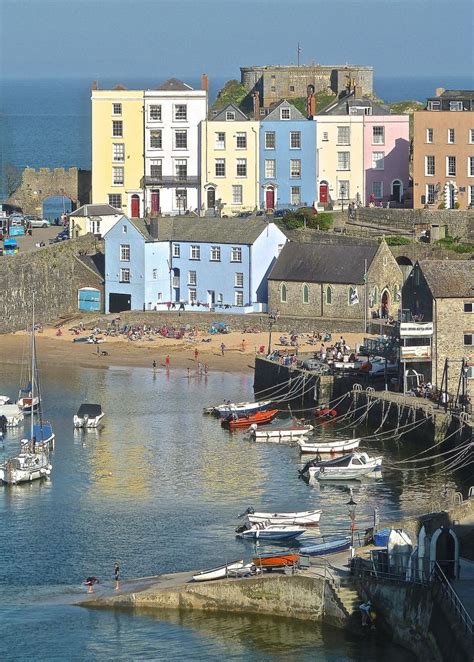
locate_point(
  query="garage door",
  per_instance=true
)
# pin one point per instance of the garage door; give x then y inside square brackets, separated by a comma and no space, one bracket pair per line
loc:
[89,299]
[119,302]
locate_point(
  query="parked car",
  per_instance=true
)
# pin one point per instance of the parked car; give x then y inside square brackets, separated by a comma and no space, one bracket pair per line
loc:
[61,236]
[16,218]
[37,221]
[280,213]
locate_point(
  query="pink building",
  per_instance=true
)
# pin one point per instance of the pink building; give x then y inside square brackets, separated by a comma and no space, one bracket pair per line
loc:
[386,158]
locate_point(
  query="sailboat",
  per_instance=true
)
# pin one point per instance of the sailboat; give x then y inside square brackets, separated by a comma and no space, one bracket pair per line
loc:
[32,462]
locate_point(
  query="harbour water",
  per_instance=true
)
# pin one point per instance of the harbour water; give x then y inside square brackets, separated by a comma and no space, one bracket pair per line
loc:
[159,490]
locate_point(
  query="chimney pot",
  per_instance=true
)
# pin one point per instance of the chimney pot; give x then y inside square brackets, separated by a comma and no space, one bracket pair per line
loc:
[154,228]
[205,82]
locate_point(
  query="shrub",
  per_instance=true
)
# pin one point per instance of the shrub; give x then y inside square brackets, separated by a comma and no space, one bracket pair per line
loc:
[454,244]
[441,205]
[457,205]
[395,240]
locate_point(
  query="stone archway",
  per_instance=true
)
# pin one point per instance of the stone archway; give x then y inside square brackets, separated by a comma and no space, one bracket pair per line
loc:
[36,185]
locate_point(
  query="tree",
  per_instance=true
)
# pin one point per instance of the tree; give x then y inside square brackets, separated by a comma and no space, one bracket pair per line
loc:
[12,176]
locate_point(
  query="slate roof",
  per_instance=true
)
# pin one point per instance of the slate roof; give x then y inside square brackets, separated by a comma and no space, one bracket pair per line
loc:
[274,112]
[220,115]
[343,106]
[95,210]
[95,263]
[173,85]
[449,279]
[210,230]
[316,263]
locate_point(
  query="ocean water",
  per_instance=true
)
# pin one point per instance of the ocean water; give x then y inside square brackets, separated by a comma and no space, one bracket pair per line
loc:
[159,489]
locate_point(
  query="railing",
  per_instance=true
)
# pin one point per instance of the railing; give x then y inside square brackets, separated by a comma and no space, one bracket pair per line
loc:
[167,180]
[451,595]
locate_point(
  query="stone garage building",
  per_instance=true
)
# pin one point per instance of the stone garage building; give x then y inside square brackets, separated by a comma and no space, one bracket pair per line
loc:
[328,281]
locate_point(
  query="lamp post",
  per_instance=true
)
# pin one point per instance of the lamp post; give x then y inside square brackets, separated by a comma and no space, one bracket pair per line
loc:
[351,507]
[270,325]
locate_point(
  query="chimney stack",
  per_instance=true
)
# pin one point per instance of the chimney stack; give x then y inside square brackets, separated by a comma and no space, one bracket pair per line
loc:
[310,106]
[256,106]
[205,82]
[95,85]
[358,91]
[154,228]
[439,91]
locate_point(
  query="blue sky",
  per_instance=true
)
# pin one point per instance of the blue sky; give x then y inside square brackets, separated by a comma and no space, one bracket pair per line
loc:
[144,38]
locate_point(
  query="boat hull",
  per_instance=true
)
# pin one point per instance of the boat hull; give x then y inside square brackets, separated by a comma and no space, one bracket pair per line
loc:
[242,408]
[246,421]
[331,448]
[308,518]
[276,561]
[218,573]
[332,547]
[25,468]
[281,434]
[270,535]
[84,422]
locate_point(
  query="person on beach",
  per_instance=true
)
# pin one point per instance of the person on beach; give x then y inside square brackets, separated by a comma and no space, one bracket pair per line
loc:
[168,361]
[196,354]
[222,349]
[117,576]
[243,344]
[206,369]
[189,373]
[154,365]
[89,582]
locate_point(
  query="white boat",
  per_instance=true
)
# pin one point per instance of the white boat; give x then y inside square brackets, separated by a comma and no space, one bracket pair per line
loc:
[28,404]
[302,518]
[245,571]
[241,407]
[13,415]
[25,468]
[332,447]
[348,467]
[267,531]
[88,416]
[218,573]
[5,400]
[285,433]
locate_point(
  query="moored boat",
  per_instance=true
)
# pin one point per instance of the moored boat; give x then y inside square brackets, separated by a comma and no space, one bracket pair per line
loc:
[221,572]
[235,422]
[267,531]
[25,468]
[274,561]
[88,416]
[241,408]
[291,432]
[13,415]
[332,447]
[302,518]
[5,400]
[329,547]
[28,404]
[325,413]
[348,467]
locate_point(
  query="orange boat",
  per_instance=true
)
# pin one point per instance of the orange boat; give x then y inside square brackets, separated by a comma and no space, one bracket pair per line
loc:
[235,422]
[325,413]
[276,560]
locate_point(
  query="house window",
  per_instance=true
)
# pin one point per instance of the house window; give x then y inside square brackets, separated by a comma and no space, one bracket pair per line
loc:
[273,88]
[455,105]
[378,160]
[270,140]
[295,195]
[116,109]
[181,198]
[155,274]
[239,298]
[237,194]
[115,200]
[451,166]
[344,189]
[239,279]
[220,167]
[471,136]
[343,135]
[125,252]
[241,168]
[117,128]
[176,250]
[118,152]
[270,169]
[434,105]
[295,168]
[156,169]
[295,139]
[429,135]
[284,113]
[124,275]
[241,140]
[117,176]
[230,116]
[181,169]
[283,293]
[215,253]
[292,88]
[194,252]
[469,339]
[220,140]
[181,139]
[429,166]
[328,295]
[155,113]
[124,229]
[377,190]
[378,135]
[451,136]
[305,293]
[220,298]
[470,166]
[192,295]
[325,136]
[156,141]
[343,161]
[192,278]
[236,254]
[470,199]
[180,112]
[430,194]
[468,307]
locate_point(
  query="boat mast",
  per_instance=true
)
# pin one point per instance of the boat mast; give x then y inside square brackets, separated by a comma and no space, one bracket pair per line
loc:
[33,374]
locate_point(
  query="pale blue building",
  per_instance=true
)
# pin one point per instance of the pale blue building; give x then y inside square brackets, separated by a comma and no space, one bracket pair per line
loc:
[212,264]
[287,158]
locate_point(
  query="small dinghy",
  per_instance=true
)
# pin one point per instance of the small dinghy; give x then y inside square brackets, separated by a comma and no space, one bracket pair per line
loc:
[332,447]
[25,467]
[235,422]
[330,547]
[291,432]
[13,415]
[88,416]
[218,573]
[241,408]
[267,531]
[348,467]
[303,518]
[5,400]
[325,413]
[274,561]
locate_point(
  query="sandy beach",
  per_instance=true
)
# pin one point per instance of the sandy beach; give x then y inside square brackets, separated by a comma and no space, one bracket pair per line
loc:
[239,353]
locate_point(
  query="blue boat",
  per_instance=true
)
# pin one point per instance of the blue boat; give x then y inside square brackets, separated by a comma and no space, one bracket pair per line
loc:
[43,433]
[330,547]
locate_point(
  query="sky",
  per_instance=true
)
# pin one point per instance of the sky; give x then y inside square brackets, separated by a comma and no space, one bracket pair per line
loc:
[139,38]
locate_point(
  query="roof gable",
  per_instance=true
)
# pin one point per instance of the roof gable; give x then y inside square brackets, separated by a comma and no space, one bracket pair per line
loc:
[174,85]
[350,105]
[95,210]
[274,112]
[221,115]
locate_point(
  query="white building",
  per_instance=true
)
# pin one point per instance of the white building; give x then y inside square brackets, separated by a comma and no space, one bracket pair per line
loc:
[173,113]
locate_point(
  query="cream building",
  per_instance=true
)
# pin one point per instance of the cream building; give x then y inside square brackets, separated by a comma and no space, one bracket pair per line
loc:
[117,149]
[229,162]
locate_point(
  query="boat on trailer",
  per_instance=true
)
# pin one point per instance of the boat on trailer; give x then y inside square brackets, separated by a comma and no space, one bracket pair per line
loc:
[234,421]
[329,547]
[88,416]
[332,447]
[348,467]
[267,531]
[302,518]
[220,572]
[292,432]
[276,561]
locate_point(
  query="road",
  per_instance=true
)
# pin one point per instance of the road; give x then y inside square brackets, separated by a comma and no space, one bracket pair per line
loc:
[28,243]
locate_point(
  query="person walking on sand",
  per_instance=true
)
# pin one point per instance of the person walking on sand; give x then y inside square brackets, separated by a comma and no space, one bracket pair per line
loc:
[196,354]
[168,361]
[117,576]
[243,344]
[222,349]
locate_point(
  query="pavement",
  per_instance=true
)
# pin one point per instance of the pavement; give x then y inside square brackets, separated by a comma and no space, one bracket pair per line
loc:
[28,244]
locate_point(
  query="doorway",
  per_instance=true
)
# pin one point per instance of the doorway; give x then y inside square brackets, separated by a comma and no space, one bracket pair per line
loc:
[385,304]
[397,191]
[211,298]
[119,302]
[155,202]
[323,192]
[135,210]
[270,198]
[445,554]
[211,198]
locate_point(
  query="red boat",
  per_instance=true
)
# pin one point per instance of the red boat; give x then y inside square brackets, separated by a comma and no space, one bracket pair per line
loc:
[325,413]
[235,422]
[271,561]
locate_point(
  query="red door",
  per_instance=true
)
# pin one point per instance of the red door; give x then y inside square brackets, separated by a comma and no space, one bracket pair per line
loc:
[270,198]
[135,206]
[155,202]
[323,193]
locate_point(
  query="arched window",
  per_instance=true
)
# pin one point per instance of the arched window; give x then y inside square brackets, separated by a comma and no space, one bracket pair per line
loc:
[396,292]
[305,293]
[329,294]
[375,295]
[283,293]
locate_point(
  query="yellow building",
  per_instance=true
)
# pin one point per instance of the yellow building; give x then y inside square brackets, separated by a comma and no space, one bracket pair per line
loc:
[117,149]
[229,162]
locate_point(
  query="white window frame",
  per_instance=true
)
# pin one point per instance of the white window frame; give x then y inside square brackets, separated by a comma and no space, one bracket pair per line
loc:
[195,252]
[176,250]
[236,254]
[343,158]
[341,138]
[178,114]
[378,160]
[239,298]
[295,168]
[155,109]
[178,173]
[471,136]
[237,194]
[451,136]
[430,164]
[154,274]
[295,139]
[239,279]
[325,136]
[470,195]
[221,164]
[450,171]
[374,193]
[156,163]
[285,113]
[241,165]
[295,195]
[456,106]
[378,137]
[220,140]
[430,194]
[192,277]
[117,128]
[156,135]
[118,152]
[124,275]
[215,254]
[180,133]
[270,168]
[124,252]
[116,196]
[192,295]
[470,166]
[429,136]
[116,109]
[270,136]
[181,198]
[241,136]
[118,175]
[230,116]
[344,187]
